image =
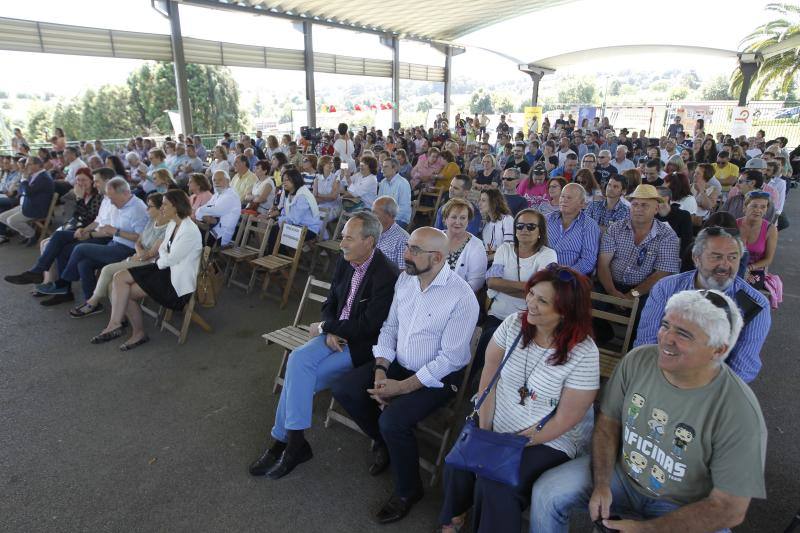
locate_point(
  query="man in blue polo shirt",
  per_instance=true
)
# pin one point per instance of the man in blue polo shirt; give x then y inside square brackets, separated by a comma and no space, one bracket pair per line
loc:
[396,186]
[571,233]
[716,254]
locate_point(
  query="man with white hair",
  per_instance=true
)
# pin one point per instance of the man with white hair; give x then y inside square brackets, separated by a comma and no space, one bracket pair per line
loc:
[572,233]
[393,239]
[222,212]
[680,441]
[621,161]
[716,253]
[137,168]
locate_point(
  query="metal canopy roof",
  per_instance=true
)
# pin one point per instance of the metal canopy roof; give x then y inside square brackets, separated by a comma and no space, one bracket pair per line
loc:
[442,20]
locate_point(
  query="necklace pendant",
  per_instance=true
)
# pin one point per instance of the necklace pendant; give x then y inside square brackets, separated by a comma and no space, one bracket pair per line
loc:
[523,394]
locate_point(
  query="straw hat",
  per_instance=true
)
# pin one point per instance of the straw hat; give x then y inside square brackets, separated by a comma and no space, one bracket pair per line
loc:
[646,192]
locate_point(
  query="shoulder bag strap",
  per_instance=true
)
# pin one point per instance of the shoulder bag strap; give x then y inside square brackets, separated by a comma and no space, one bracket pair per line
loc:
[496,374]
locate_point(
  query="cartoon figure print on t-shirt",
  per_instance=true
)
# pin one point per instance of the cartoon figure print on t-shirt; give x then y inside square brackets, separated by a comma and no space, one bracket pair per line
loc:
[646,462]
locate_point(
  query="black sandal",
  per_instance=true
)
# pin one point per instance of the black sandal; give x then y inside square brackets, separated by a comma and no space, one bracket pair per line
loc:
[108,336]
[85,310]
[127,347]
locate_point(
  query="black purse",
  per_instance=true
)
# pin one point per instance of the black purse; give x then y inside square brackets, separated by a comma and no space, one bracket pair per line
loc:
[489,454]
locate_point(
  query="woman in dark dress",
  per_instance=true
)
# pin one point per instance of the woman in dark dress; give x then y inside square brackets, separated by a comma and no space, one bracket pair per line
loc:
[170,281]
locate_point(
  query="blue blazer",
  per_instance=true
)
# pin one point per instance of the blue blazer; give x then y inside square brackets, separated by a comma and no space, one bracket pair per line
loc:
[36,196]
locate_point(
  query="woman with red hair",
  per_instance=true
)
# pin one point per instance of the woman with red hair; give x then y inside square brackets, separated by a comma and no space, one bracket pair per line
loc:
[545,393]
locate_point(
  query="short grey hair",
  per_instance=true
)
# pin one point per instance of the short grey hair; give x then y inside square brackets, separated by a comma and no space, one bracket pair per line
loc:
[701,241]
[118,185]
[389,206]
[696,308]
[603,153]
[223,172]
[130,157]
[514,171]
[370,225]
[623,148]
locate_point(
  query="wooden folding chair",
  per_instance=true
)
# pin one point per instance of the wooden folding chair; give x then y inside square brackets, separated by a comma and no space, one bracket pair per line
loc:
[604,307]
[333,245]
[294,336]
[252,244]
[43,224]
[189,314]
[437,430]
[429,208]
[292,237]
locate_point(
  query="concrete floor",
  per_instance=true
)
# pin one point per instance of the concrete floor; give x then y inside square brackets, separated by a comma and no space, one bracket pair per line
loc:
[159,439]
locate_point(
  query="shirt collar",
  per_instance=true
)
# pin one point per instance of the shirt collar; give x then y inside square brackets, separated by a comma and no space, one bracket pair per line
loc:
[440,279]
[365,265]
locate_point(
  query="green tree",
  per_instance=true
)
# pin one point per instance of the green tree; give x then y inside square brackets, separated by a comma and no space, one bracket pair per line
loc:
[690,80]
[40,122]
[480,102]
[577,91]
[105,114]
[213,95]
[424,106]
[781,68]
[715,89]
[502,102]
[67,116]
[614,88]
[678,93]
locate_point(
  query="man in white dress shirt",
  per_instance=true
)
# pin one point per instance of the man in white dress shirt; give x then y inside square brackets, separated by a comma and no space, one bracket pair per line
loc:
[422,350]
[222,212]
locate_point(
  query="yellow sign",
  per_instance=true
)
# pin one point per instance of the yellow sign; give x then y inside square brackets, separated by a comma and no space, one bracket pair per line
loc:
[533,119]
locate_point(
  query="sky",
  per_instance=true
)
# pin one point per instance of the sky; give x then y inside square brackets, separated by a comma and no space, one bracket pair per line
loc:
[565,28]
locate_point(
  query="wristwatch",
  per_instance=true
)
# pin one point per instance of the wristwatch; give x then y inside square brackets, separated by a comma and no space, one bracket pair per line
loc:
[116,233]
[320,327]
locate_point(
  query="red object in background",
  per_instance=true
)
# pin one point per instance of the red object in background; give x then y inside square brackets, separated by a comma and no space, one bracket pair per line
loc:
[332,109]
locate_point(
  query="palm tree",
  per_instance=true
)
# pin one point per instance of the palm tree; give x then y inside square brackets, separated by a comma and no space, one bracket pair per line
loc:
[782,67]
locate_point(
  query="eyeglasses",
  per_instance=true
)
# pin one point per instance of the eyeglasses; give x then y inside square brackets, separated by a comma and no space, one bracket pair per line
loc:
[563,274]
[718,302]
[509,179]
[416,250]
[742,181]
[530,226]
[640,258]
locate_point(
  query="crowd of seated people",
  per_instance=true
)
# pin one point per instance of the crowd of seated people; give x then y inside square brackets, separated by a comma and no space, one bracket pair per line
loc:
[526,229]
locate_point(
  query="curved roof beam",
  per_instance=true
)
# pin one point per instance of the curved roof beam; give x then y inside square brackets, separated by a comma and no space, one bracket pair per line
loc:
[580,56]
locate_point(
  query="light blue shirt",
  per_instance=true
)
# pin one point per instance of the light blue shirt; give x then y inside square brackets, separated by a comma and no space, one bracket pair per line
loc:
[299,214]
[130,218]
[576,246]
[399,189]
[744,358]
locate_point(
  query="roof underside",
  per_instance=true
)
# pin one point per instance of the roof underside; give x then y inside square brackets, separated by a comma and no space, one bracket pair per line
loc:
[441,20]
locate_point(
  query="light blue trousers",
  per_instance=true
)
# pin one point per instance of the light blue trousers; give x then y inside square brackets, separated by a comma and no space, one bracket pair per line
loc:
[569,486]
[310,368]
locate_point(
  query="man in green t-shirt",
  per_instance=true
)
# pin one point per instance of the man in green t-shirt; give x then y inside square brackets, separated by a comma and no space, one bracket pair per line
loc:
[680,442]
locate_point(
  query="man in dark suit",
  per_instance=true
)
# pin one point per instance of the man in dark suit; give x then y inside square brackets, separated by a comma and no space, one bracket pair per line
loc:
[361,295]
[36,192]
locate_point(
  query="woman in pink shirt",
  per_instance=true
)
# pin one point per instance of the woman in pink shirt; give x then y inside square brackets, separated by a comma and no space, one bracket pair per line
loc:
[200,191]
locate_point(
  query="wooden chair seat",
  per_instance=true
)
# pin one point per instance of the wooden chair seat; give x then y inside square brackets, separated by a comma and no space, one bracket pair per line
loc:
[273,262]
[239,253]
[290,337]
[334,246]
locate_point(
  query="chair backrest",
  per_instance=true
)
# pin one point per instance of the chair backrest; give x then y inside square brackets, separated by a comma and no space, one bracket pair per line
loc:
[315,290]
[603,309]
[290,236]
[258,227]
[343,218]
[237,240]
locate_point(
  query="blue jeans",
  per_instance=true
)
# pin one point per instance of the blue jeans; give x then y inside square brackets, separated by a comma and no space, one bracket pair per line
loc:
[311,368]
[60,244]
[86,258]
[566,487]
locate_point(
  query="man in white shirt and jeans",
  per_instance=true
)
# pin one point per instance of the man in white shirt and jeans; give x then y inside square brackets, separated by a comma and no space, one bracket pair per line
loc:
[419,364]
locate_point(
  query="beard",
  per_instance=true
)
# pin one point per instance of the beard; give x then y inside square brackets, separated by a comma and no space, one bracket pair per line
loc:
[711,282]
[413,270]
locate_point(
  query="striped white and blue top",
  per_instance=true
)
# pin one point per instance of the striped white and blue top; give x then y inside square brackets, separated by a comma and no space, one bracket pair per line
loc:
[576,246]
[429,332]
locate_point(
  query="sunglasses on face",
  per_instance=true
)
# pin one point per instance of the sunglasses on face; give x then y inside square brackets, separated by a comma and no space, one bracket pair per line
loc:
[509,179]
[530,226]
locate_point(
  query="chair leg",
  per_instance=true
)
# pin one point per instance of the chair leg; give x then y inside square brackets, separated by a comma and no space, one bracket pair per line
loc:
[233,271]
[277,383]
[252,282]
[187,319]
[265,285]
[227,273]
[167,318]
[288,288]
[200,321]
[328,420]
[314,256]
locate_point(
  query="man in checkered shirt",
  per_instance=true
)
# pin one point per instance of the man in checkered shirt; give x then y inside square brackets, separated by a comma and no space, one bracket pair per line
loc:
[393,238]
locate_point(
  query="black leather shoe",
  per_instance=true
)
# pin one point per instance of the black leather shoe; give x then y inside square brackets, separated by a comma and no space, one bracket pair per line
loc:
[397,507]
[380,462]
[271,456]
[26,278]
[289,461]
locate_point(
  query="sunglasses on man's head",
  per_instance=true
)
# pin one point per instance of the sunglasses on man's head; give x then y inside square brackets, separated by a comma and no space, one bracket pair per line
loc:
[719,302]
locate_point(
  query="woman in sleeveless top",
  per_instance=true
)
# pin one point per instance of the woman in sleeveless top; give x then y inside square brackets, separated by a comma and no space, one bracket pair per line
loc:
[759,236]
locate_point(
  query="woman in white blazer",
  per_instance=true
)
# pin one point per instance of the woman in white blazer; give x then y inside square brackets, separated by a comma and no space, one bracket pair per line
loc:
[467,257]
[170,281]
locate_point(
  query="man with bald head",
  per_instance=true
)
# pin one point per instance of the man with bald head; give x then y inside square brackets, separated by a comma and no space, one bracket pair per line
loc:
[420,356]
[573,234]
[393,239]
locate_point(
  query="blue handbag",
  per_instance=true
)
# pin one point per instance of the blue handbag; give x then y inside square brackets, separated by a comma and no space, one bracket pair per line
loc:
[489,454]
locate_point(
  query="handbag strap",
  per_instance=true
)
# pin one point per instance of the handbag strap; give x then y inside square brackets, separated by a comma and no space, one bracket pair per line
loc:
[496,374]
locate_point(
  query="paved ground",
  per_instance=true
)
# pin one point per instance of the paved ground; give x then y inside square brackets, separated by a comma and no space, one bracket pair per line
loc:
[158,439]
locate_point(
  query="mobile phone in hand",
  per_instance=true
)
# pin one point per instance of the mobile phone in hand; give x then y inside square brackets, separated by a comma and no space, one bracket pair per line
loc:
[598,524]
[343,166]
